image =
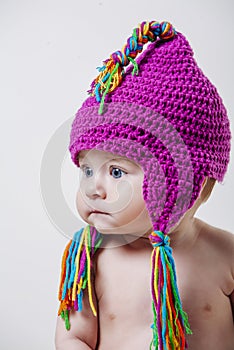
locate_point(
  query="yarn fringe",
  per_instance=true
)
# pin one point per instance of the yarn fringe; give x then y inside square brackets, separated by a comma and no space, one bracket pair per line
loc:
[76,272]
[170,321]
[112,72]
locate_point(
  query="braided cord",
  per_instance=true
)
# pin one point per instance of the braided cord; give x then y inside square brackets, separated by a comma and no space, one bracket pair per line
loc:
[170,321]
[112,72]
[76,272]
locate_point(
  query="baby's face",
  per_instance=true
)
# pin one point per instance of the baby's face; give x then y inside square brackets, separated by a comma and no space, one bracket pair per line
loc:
[110,195]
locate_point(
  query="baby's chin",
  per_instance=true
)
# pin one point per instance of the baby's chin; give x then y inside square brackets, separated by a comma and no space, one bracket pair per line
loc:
[110,226]
[106,230]
[122,230]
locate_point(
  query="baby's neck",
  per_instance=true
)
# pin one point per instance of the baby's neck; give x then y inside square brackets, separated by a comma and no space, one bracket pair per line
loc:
[181,237]
[185,234]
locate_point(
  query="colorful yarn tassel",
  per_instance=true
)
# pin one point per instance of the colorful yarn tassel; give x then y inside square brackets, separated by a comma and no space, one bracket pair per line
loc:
[112,72]
[76,272]
[170,321]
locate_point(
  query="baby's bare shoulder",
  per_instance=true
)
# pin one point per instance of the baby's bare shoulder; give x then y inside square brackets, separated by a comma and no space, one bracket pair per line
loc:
[215,239]
[214,235]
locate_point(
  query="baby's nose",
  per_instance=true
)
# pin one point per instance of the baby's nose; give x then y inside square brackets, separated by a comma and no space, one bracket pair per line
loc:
[95,188]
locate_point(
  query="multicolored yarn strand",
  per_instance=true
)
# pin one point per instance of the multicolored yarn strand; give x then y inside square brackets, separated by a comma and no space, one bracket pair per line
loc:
[170,321]
[76,272]
[113,70]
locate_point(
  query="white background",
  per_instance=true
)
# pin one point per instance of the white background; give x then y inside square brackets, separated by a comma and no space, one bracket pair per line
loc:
[49,52]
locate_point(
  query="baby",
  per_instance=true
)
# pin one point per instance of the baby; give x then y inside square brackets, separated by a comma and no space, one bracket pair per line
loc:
[151,143]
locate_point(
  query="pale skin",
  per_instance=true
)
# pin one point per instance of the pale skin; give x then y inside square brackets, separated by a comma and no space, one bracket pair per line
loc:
[204,258]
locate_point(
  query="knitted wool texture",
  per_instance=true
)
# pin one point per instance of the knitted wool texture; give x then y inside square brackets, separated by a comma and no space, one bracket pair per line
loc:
[170,119]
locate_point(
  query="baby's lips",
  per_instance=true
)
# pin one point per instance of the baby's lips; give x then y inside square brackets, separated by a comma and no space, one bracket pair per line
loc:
[98,212]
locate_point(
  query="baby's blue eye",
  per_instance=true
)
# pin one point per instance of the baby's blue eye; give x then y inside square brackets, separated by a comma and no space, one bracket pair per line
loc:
[87,171]
[117,173]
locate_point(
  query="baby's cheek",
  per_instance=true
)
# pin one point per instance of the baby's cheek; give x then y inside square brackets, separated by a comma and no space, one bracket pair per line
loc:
[122,192]
[80,205]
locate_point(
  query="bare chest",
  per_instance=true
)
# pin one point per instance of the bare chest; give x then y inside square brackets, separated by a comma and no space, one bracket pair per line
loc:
[123,287]
[124,299]
[204,289]
[124,303]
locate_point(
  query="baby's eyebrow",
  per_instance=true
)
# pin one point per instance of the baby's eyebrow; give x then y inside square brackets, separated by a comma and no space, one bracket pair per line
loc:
[80,156]
[121,159]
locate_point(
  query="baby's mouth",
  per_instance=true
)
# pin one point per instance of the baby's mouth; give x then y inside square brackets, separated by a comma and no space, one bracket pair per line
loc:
[98,212]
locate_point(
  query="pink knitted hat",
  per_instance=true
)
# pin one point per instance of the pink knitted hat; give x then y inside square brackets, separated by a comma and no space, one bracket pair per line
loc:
[163,113]
[168,105]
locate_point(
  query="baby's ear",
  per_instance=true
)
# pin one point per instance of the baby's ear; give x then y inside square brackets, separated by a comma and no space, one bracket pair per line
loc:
[207,187]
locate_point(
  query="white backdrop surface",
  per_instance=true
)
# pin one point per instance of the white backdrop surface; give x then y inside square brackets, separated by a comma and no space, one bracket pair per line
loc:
[49,54]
